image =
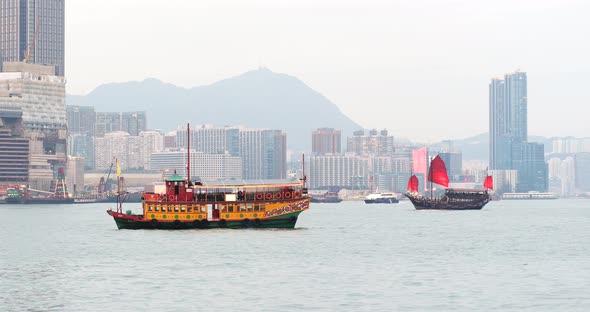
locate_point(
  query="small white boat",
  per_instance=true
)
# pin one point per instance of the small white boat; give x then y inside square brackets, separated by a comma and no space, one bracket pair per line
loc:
[381,198]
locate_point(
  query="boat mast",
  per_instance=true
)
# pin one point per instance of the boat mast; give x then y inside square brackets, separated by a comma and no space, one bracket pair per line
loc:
[188,159]
[430,177]
[119,202]
[304,178]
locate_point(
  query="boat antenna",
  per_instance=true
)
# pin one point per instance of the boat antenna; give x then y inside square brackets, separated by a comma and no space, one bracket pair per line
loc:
[188,159]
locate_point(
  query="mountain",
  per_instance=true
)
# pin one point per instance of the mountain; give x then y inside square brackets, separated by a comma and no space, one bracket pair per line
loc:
[255,99]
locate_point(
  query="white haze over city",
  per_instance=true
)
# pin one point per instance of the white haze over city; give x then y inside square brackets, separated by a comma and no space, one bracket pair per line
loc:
[419,68]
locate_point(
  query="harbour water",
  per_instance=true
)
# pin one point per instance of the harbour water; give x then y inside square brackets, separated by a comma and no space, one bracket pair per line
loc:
[510,256]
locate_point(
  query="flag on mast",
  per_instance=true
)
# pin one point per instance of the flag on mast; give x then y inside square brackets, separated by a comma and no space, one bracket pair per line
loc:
[118,169]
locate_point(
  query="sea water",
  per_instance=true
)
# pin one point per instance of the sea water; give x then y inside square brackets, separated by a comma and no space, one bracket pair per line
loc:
[510,256]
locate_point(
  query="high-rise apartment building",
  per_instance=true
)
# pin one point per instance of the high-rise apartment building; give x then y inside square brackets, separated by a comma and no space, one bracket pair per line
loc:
[326,141]
[203,166]
[338,171]
[211,140]
[81,119]
[509,149]
[130,122]
[264,154]
[130,151]
[33,31]
[377,143]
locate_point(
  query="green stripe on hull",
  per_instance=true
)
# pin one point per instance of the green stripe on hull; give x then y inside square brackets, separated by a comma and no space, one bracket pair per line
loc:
[286,221]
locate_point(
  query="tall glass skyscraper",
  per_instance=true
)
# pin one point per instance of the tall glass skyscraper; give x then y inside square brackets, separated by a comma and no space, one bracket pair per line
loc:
[509,148]
[33,31]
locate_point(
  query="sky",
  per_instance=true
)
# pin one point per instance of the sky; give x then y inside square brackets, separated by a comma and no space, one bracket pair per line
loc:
[419,68]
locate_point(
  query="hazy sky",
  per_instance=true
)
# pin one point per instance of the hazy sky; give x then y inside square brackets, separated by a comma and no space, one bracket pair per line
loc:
[419,68]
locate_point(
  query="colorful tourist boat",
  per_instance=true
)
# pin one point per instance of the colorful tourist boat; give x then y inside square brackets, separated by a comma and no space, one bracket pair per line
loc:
[453,199]
[218,204]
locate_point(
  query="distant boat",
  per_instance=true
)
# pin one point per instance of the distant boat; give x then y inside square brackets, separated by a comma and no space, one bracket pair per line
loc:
[381,198]
[528,196]
[327,197]
[453,199]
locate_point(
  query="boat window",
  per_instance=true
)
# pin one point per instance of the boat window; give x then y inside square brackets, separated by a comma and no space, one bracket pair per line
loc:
[190,208]
[169,209]
[243,207]
[256,207]
[262,207]
[157,208]
[222,207]
[230,208]
[249,207]
[203,208]
[183,208]
[149,208]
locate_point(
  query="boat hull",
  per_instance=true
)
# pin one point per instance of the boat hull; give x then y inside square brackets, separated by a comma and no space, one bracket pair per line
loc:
[424,203]
[382,201]
[321,200]
[136,222]
[39,201]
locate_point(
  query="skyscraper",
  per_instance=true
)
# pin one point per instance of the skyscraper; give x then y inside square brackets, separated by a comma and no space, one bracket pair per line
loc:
[509,148]
[33,31]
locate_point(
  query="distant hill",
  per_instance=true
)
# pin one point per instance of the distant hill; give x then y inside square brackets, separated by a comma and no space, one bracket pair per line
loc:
[255,99]
[478,147]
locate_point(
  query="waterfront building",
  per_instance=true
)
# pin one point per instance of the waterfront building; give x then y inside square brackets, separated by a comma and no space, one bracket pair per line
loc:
[582,171]
[338,171]
[509,148]
[504,180]
[40,95]
[14,148]
[33,32]
[326,141]
[75,174]
[205,166]
[568,177]
[528,159]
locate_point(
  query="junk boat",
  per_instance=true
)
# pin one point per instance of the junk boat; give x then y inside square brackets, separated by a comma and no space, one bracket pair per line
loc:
[217,204]
[453,199]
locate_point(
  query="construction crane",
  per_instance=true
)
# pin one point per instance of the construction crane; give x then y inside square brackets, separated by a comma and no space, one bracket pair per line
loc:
[103,185]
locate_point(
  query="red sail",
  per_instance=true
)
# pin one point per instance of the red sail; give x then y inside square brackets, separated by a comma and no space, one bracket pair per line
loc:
[488,182]
[438,172]
[413,184]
